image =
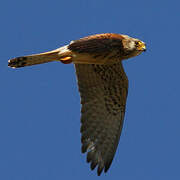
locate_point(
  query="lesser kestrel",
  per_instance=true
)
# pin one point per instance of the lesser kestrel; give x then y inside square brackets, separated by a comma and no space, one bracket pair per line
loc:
[103,87]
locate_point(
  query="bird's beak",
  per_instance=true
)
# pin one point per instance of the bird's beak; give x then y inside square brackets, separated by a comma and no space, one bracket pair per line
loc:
[141,46]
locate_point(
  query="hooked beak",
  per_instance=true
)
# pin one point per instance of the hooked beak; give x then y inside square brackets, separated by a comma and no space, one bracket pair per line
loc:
[141,46]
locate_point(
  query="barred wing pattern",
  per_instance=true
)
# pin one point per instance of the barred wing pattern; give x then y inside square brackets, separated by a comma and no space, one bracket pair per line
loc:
[103,90]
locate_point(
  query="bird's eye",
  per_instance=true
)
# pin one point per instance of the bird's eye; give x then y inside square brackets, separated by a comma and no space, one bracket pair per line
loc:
[137,43]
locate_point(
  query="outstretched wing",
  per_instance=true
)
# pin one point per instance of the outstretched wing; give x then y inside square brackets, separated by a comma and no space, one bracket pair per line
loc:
[103,90]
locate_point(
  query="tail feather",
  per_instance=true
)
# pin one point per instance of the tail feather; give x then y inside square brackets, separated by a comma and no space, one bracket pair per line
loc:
[41,58]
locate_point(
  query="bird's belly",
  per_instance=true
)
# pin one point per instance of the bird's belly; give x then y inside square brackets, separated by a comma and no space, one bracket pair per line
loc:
[93,59]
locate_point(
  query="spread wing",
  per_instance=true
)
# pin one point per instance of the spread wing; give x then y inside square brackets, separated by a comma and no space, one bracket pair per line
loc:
[103,90]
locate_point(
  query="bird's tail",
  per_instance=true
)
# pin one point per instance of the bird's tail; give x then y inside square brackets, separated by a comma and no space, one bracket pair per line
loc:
[61,54]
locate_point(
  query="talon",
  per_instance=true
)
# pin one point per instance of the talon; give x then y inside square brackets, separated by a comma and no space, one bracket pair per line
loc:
[66,60]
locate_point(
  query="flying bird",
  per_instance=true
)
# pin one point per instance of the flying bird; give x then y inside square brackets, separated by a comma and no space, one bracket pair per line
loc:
[103,87]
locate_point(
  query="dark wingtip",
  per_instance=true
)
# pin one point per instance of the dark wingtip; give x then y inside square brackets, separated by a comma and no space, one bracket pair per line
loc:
[107,166]
[93,165]
[100,169]
[17,62]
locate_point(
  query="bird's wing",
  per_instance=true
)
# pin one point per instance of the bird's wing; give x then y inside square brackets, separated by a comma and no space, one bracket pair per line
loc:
[103,90]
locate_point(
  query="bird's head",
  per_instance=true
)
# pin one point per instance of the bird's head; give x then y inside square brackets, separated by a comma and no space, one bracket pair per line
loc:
[132,46]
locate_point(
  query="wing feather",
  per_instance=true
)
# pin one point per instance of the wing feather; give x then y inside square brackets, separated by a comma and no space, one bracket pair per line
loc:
[103,90]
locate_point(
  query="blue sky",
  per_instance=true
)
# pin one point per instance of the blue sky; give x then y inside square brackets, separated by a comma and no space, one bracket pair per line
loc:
[40,106]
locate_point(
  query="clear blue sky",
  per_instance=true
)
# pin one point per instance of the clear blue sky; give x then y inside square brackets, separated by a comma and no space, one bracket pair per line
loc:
[40,106]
